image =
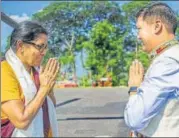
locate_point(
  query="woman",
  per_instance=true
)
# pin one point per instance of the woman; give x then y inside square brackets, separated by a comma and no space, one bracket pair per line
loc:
[27,103]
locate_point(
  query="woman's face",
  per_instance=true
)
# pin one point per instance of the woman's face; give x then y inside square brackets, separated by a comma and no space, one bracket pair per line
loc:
[35,50]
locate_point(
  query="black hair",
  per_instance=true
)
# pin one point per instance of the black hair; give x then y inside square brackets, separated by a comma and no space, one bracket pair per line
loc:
[162,11]
[26,31]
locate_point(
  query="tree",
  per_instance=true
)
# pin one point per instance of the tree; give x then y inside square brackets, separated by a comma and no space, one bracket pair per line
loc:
[8,42]
[67,21]
[74,30]
[2,54]
[104,51]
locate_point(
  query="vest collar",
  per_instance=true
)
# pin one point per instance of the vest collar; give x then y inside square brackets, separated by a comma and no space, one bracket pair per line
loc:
[162,47]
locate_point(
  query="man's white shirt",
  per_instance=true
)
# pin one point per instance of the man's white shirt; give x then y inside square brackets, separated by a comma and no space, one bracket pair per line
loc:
[160,85]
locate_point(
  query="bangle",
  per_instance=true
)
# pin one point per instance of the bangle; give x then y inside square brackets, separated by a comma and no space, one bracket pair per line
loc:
[132,89]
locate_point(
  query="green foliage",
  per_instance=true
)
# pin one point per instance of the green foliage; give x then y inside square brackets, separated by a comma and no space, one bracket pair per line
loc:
[104,50]
[85,81]
[130,9]
[8,42]
[100,31]
[2,54]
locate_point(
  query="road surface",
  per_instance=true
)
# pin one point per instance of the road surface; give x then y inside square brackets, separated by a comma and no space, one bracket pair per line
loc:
[91,112]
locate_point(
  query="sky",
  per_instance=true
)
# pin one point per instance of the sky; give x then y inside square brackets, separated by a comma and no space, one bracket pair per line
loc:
[19,11]
[23,10]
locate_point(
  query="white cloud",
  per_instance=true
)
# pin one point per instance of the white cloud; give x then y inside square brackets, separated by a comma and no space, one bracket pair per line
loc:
[20,18]
[40,10]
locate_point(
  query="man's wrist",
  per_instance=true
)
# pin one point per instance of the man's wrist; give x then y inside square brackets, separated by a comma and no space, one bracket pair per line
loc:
[132,93]
[132,90]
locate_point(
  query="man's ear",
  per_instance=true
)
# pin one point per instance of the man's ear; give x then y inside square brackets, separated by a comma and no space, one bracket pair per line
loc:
[19,46]
[158,26]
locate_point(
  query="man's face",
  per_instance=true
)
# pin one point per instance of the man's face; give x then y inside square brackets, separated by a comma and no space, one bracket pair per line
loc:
[145,34]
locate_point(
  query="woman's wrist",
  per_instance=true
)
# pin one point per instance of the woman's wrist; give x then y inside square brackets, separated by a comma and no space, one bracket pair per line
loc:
[51,92]
[43,90]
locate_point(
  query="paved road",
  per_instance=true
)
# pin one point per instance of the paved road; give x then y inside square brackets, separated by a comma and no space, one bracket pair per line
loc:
[91,112]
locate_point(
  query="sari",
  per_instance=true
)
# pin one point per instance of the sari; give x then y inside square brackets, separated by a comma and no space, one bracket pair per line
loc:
[45,121]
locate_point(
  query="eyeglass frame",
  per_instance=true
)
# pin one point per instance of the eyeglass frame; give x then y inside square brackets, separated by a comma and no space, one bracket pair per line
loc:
[38,47]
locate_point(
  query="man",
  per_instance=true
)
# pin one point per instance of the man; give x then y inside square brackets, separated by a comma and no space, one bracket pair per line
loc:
[153,106]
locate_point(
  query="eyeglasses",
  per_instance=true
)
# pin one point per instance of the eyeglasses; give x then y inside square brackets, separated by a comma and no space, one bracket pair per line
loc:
[41,48]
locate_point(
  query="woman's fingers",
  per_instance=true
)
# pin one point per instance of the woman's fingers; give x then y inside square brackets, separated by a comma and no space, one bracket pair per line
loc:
[55,67]
[41,69]
[51,70]
[56,71]
[51,66]
[52,83]
[48,65]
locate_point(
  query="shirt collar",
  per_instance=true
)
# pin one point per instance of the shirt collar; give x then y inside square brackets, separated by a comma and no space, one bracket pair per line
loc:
[162,47]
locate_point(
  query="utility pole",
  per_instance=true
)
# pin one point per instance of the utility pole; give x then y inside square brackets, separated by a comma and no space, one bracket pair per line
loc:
[6,19]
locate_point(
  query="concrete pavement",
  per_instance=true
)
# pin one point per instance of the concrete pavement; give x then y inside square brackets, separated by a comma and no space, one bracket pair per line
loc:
[91,112]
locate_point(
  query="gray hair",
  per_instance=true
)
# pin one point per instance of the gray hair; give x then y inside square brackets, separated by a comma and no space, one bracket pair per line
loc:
[161,11]
[26,31]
